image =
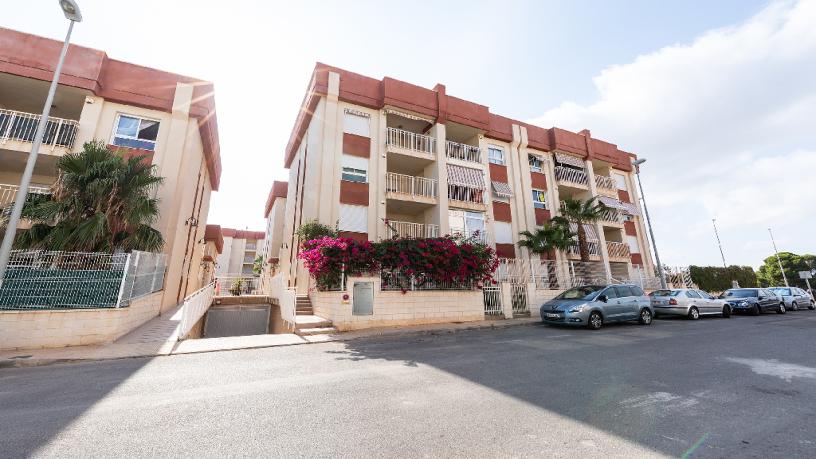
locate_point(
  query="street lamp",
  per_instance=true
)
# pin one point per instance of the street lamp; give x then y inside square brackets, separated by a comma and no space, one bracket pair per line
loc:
[72,13]
[714,222]
[778,260]
[660,272]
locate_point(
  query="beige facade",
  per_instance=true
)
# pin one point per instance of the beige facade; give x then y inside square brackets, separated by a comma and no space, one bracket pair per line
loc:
[358,162]
[136,110]
[239,253]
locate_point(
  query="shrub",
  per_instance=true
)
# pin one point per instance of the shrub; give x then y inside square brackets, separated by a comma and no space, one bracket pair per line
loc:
[315,230]
[327,258]
[717,279]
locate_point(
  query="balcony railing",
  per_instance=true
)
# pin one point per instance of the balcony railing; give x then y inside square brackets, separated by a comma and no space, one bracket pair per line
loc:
[476,235]
[22,126]
[463,152]
[566,174]
[9,192]
[412,230]
[593,247]
[466,194]
[407,184]
[617,249]
[607,183]
[411,141]
[611,216]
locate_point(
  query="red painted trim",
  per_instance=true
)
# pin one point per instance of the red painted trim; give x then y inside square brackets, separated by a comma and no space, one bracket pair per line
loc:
[501,212]
[542,216]
[278,190]
[354,193]
[243,234]
[538,180]
[498,173]
[32,56]
[213,233]
[356,145]
[505,251]
[629,228]
[623,195]
[636,259]
[359,237]
[127,153]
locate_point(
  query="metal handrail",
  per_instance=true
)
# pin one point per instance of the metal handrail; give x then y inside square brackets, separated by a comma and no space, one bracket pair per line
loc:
[22,126]
[407,184]
[412,230]
[9,192]
[463,151]
[617,249]
[602,181]
[194,307]
[571,175]
[411,141]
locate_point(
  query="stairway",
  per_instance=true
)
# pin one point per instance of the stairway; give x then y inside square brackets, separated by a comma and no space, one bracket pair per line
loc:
[306,323]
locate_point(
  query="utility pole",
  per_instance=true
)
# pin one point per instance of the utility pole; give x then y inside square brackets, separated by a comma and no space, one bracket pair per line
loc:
[778,260]
[714,222]
[660,272]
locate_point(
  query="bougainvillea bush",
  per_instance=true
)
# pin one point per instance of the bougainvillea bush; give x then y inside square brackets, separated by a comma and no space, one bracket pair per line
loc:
[443,260]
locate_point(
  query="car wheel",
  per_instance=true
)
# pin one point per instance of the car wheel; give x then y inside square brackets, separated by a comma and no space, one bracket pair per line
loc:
[756,310]
[781,309]
[645,317]
[595,321]
[693,314]
[794,306]
[812,306]
[726,312]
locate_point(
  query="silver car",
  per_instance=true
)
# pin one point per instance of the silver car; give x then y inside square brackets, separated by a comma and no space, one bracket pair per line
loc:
[794,298]
[594,305]
[687,302]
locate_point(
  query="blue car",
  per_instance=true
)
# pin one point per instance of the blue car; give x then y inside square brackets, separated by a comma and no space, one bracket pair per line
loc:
[592,306]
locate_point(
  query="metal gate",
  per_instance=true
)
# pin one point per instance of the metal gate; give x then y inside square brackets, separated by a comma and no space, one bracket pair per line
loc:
[492,301]
[237,321]
[518,294]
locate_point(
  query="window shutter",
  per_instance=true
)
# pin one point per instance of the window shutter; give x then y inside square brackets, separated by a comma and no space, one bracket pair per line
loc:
[355,162]
[633,244]
[356,124]
[504,232]
[353,218]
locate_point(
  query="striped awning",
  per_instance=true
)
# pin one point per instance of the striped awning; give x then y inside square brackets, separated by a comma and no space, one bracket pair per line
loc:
[391,111]
[631,209]
[564,158]
[591,234]
[465,176]
[611,202]
[502,189]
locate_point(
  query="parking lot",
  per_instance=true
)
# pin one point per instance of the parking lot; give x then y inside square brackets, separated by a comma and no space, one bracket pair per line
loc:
[738,387]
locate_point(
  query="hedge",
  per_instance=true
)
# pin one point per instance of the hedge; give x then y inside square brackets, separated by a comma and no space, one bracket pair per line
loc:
[718,279]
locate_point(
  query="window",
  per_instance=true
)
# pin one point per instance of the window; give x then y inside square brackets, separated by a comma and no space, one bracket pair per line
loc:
[353,218]
[627,217]
[495,155]
[610,293]
[354,123]
[620,181]
[637,291]
[705,295]
[504,232]
[692,294]
[535,163]
[134,132]
[539,199]
[623,291]
[355,169]
[467,223]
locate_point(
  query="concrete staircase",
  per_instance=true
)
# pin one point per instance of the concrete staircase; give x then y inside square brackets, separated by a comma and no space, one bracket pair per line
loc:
[306,323]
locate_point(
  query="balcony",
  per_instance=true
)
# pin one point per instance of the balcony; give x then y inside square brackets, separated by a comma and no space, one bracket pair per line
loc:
[410,188]
[618,251]
[21,127]
[9,192]
[606,186]
[466,197]
[410,143]
[569,176]
[475,235]
[411,230]
[594,247]
[463,152]
[611,216]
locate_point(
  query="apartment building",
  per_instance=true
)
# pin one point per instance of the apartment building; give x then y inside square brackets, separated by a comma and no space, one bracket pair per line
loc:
[240,248]
[385,157]
[137,110]
[274,212]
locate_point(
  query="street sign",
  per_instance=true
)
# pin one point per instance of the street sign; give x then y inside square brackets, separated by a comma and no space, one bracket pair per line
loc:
[805,275]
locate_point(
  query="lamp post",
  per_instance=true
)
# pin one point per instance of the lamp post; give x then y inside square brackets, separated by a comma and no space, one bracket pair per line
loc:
[778,260]
[714,222]
[660,272]
[72,13]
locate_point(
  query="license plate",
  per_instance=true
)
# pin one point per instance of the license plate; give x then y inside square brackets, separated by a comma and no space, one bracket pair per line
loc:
[553,316]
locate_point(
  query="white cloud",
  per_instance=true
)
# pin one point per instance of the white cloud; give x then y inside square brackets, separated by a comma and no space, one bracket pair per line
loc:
[727,124]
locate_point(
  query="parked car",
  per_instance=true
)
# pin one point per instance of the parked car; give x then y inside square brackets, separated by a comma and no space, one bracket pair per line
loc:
[753,300]
[687,302]
[794,298]
[594,305]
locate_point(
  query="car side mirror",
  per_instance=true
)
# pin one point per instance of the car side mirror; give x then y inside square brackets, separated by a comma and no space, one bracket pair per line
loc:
[603,298]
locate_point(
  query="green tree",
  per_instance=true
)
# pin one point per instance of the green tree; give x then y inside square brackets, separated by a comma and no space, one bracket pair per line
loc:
[314,230]
[101,202]
[581,212]
[770,275]
[718,279]
[257,265]
[554,235]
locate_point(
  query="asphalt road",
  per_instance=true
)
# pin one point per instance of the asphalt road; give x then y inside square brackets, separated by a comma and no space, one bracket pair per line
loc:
[740,387]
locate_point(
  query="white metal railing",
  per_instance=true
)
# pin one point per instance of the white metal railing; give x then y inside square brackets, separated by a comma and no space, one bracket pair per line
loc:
[408,184]
[412,230]
[396,280]
[22,126]
[567,174]
[617,249]
[611,215]
[593,247]
[466,194]
[411,141]
[194,308]
[463,152]
[605,182]
[286,299]
[144,275]
[492,300]
[475,235]
[237,285]
[9,192]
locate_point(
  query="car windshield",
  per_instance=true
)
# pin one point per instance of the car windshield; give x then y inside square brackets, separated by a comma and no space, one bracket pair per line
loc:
[781,291]
[665,293]
[742,293]
[586,292]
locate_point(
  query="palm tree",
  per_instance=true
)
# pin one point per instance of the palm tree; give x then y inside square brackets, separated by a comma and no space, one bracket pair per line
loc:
[581,212]
[553,235]
[101,202]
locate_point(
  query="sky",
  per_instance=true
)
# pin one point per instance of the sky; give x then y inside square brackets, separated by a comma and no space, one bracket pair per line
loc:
[719,96]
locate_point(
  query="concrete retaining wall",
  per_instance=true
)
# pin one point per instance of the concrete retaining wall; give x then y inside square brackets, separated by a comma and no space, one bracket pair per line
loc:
[74,327]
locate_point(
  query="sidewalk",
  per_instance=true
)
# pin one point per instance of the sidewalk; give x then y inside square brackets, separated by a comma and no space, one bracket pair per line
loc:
[157,338]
